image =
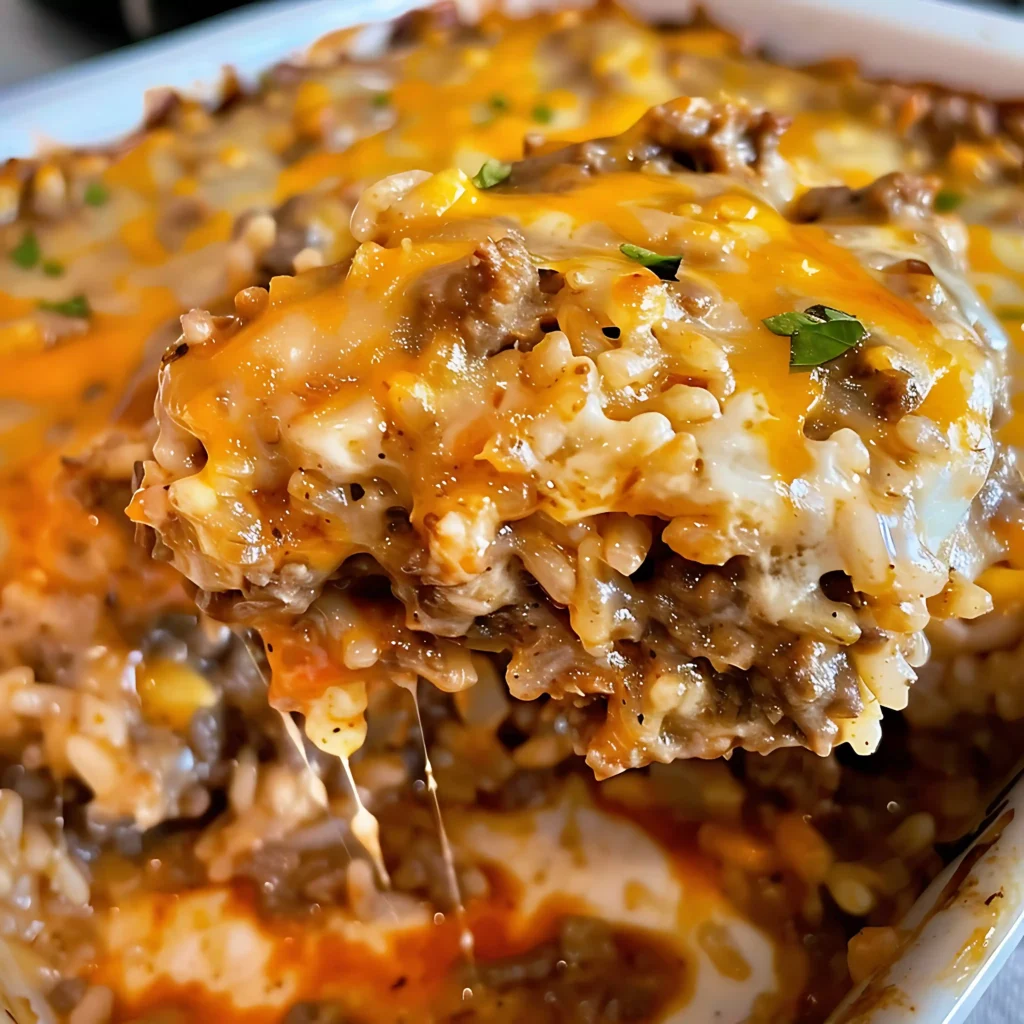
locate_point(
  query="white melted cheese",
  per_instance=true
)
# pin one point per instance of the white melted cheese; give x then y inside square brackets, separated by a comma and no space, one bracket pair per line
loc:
[203,939]
[572,851]
[615,868]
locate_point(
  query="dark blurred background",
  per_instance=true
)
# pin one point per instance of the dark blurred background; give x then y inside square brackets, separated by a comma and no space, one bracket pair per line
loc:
[118,21]
[40,35]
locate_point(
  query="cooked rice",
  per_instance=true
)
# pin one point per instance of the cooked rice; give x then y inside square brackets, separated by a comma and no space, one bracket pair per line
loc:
[138,751]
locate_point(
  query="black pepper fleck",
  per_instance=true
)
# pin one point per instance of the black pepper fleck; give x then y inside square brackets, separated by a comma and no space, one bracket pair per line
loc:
[176,353]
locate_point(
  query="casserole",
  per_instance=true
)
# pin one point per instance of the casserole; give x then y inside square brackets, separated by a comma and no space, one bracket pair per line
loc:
[1008,834]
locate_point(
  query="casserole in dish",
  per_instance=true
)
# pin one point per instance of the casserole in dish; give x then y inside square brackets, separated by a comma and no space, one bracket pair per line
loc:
[610,376]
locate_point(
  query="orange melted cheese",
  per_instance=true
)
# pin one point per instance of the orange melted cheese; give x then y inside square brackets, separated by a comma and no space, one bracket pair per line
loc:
[446,102]
[359,377]
[64,394]
[445,105]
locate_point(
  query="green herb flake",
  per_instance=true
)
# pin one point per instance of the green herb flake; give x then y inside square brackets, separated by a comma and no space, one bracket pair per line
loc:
[95,194]
[52,268]
[26,253]
[813,346]
[1010,312]
[491,173]
[498,102]
[817,335]
[381,99]
[77,306]
[785,325]
[946,201]
[666,267]
[542,114]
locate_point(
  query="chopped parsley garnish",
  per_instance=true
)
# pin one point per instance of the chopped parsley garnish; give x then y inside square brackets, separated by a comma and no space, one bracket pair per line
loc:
[543,114]
[666,267]
[947,200]
[498,102]
[1010,312]
[95,194]
[77,305]
[493,172]
[381,99]
[817,335]
[26,253]
[52,268]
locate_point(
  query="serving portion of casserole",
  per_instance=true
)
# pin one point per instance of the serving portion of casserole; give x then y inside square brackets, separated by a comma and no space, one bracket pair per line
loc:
[696,460]
[534,399]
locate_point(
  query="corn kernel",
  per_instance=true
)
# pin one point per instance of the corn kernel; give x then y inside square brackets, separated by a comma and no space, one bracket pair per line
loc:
[848,885]
[802,848]
[21,337]
[171,692]
[913,835]
[738,847]
[871,949]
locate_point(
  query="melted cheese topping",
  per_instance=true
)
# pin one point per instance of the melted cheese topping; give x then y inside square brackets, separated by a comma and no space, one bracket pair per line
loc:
[332,360]
[209,951]
[688,421]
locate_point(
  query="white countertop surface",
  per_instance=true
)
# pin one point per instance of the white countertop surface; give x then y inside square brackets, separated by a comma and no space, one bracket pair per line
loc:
[32,41]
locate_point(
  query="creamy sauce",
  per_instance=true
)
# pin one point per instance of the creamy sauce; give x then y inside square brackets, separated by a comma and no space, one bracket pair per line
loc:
[571,857]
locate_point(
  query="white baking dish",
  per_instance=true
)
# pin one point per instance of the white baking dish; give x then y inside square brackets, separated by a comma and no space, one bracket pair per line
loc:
[915,40]
[967,923]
